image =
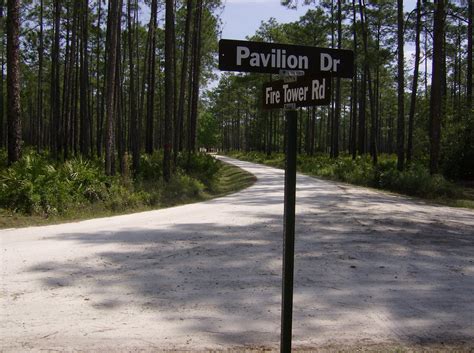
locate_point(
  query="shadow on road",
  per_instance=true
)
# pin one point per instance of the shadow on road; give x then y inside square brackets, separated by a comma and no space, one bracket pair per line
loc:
[369,266]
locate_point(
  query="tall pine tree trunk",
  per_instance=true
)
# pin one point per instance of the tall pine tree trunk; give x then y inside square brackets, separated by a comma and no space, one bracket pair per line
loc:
[354,85]
[85,121]
[373,130]
[169,88]
[114,27]
[134,132]
[469,57]
[151,67]
[414,87]
[195,79]
[337,112]
[182,87]
[99,88]
[55,96]
[39,102]
[2,68]
[436,106]
[401,90]
[13,81]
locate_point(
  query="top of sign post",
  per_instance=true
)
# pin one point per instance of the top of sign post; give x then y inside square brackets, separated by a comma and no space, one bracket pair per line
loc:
[246,56]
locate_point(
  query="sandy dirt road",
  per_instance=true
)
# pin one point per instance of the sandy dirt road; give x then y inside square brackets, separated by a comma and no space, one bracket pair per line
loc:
[371,268]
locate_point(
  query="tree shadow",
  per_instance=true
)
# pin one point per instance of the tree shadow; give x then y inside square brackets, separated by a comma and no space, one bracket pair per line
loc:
[369,267]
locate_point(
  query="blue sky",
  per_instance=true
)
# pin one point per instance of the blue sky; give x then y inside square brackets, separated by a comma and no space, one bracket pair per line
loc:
[241,18]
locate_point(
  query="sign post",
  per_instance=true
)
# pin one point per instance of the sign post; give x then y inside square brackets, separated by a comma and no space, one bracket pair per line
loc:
[291,116]
[290,61]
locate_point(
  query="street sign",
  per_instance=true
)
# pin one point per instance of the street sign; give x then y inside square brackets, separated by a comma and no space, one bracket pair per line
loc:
[246,56]
[318,66]
[304,92]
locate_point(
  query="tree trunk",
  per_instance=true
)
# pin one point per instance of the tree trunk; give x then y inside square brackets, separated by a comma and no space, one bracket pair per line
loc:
[414,87]
[114,27]
[469,58]
[13,81]
[2,101]
[373,131]
[436,107]
[196,76]
[337,112]
[182,87]
[354,86]
[99,87]
[169,88]
[39,101]
[134,132]
[85,120]
[55,96]
[401,91]
[362,114]
[149,145]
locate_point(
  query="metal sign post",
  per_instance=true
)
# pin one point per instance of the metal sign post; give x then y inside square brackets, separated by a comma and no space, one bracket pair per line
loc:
[290,61]
[291,116]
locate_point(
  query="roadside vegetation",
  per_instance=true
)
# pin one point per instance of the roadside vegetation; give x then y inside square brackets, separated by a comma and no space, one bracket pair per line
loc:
[415,180]
[37,190]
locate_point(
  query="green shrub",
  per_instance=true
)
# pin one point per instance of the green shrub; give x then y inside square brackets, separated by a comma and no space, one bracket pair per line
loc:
[120,198]
[35,185]
[200,166]
[151,166]
[31,185]
[415,181]
[181,187]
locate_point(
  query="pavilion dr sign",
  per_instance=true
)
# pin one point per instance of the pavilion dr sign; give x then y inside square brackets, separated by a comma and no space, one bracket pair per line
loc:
[305,92]
[245,56]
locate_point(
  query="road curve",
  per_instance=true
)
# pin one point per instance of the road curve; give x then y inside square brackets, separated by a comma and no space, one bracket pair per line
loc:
[371,268]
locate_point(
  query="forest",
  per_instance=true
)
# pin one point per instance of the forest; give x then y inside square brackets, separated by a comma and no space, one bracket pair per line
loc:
[106,98]
[406,114]
[100,98]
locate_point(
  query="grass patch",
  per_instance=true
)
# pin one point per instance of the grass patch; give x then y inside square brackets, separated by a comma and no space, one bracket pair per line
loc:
[415,181]
[231,179]
[37,192]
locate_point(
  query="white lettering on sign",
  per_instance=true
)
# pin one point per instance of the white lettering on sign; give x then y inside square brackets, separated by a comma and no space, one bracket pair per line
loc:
[318,90]
[293,95]
[328,63]
[272,97]
[242,53]
[276,59]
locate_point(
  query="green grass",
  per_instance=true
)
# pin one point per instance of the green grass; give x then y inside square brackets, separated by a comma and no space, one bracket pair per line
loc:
[144,195]
[231,179]
[415,181]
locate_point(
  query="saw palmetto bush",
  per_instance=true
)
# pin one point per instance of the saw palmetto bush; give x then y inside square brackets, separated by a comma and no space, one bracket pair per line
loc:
[35,185]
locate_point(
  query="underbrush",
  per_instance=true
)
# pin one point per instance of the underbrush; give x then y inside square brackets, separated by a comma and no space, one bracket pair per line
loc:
[36,185]
[415,181]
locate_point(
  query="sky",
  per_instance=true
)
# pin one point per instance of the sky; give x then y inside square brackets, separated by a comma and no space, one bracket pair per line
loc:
[241,18]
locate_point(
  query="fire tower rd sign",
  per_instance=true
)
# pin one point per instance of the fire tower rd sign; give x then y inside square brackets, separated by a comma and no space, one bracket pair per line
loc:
[245,56]
[305,92]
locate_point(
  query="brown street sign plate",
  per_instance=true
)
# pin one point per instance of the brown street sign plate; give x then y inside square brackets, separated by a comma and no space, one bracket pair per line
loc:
[307,91]
[246,56]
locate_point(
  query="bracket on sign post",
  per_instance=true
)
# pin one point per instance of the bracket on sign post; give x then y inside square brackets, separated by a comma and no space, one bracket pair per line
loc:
[290,75]
[291,116]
